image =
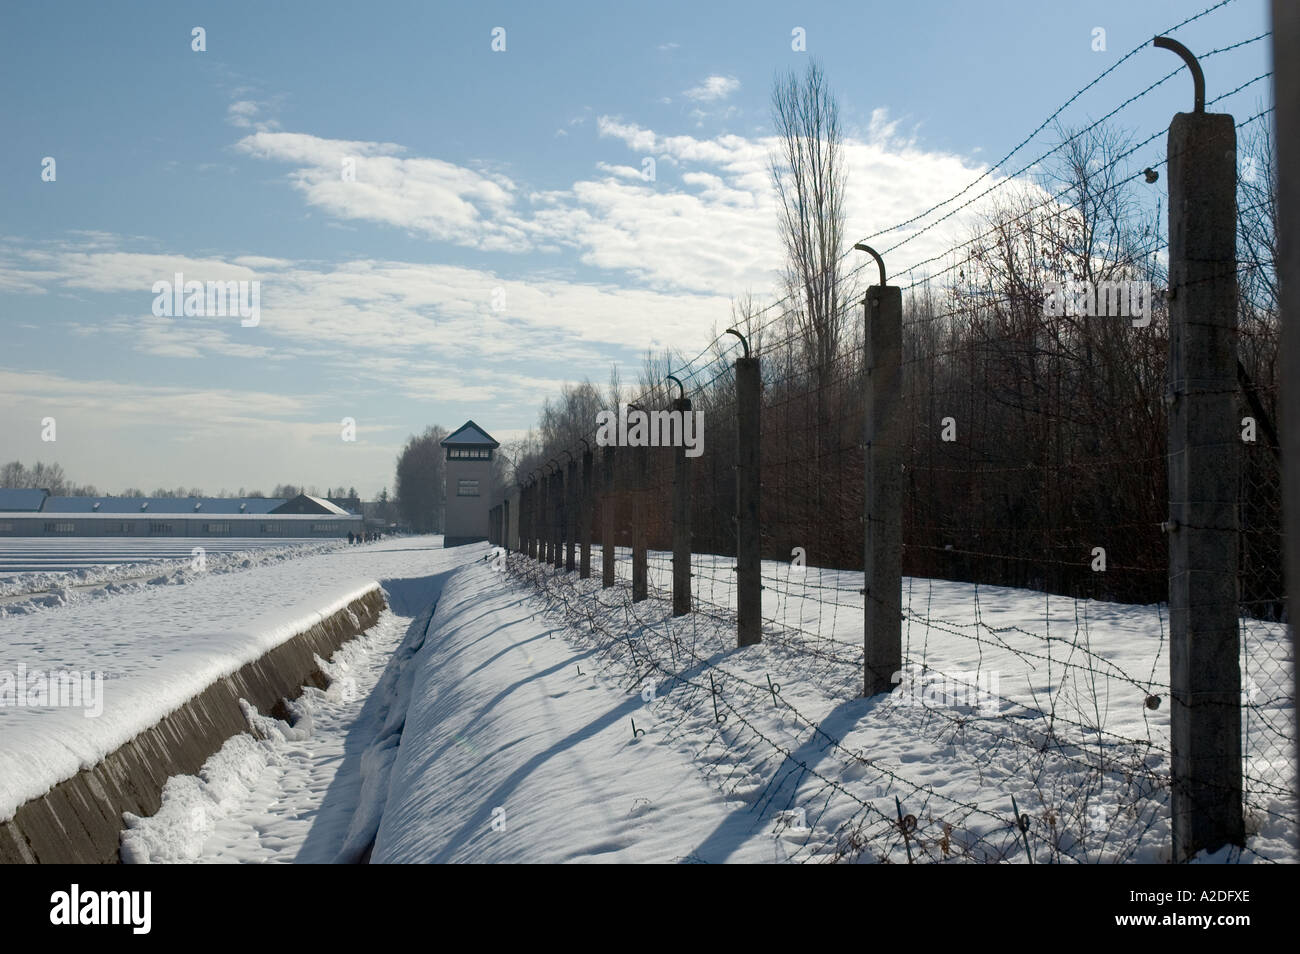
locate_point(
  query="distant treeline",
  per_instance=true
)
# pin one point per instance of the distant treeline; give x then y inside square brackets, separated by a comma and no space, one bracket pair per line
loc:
[1031,441]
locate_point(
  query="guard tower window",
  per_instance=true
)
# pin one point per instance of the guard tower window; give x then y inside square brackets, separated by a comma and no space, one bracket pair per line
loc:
[467,488]
[469,453]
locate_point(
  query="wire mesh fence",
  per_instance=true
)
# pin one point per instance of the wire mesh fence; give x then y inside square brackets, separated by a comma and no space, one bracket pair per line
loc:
[1267,654]
[1031,718]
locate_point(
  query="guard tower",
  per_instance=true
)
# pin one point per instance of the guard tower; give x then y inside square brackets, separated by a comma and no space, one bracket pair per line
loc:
[469,484]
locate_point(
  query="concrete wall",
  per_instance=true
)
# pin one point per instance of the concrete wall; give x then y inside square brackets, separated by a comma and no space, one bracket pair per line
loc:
[466,518]
[79,820]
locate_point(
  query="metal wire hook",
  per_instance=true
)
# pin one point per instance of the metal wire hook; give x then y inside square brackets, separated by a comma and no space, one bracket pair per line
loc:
[743,340]
[880,262]
[1198,78]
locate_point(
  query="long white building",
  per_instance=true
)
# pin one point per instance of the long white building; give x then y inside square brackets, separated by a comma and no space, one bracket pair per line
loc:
[31,512]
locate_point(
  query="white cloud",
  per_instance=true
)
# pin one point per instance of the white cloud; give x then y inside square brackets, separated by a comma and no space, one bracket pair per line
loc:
[642,140]
[250,114]
[412,331]
[242,113]
[621,172]
[437,198]
[387,309]
[662,260]
[705,235]
[713,88]
[714,232]
[181,337]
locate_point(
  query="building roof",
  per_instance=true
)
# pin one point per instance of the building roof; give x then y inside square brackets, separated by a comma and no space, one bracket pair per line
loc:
[175,506]
[306,503]
[19,499]
[469,434]
[235,518]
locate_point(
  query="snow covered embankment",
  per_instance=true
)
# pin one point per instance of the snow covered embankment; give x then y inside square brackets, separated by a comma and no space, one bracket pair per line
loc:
[311,791]
[75,816]
[284,792]
[513,750]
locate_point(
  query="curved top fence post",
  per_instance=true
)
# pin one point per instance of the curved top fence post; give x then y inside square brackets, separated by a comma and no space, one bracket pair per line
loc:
[880,262]
[743,340]
[1198,78]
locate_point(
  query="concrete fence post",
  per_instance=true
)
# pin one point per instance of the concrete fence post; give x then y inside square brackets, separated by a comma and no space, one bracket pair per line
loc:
[749,580]
[547,515]
[557,522]
[882,501]
[539,515]
[537,520]
[585,514]
[1204,450]
[571,518]
[532,520]
[523,519]
[608,511]
[640,517]
[681,520]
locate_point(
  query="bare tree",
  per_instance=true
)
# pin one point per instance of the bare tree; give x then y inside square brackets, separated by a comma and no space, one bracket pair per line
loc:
[44,476]
[419,481]
[809,176]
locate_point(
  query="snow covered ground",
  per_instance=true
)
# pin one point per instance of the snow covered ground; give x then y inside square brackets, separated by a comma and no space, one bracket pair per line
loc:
[484,708]
[155,648]
[518,748]
[536,717]
[1005,694]
[55,555]
[580,727]
[37,574]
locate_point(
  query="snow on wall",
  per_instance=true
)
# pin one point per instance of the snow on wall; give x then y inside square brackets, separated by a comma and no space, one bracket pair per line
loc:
[151,652]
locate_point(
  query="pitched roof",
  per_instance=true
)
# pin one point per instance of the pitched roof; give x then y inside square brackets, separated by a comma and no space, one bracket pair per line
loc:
[329,505]
[469,434]
[162,505]
[22,498]
[306,503]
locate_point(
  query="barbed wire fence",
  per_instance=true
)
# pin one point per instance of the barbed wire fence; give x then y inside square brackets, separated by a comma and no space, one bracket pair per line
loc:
[1035,641]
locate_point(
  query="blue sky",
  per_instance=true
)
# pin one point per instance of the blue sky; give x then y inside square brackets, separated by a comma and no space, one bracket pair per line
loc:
[512,174]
